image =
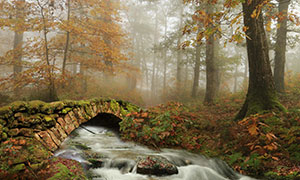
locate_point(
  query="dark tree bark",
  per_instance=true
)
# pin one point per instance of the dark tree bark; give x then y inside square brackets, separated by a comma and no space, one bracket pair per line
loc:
[280,47]
[211,75]
[261,93]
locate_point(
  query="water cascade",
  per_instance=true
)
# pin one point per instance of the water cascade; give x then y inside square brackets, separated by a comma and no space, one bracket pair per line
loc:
[106,157]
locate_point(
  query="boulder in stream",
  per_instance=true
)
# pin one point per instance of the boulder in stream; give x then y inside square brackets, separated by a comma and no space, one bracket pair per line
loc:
[155,165]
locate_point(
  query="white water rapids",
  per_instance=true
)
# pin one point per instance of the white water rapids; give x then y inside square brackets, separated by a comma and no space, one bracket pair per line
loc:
[120,163]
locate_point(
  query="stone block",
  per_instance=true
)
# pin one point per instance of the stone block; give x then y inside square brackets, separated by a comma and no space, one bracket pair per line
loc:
[78,115]
[69,124]
[46,138]
[61,131]
[54,137]
[74,119]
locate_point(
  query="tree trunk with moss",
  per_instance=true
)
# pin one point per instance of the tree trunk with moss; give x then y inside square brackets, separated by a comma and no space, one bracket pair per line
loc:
[261,91]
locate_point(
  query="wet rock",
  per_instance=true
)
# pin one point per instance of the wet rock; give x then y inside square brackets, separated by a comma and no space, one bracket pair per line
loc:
[155,165]
[96,163]
[124,165]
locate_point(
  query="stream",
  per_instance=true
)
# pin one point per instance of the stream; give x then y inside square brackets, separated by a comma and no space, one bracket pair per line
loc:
[117,159]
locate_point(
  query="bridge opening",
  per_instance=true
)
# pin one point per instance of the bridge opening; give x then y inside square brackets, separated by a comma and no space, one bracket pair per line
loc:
[107,120]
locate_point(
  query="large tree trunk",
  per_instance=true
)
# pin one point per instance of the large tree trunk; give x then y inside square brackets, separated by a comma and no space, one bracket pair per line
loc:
[280,47]
[212,74]
[261,91]
[211,79]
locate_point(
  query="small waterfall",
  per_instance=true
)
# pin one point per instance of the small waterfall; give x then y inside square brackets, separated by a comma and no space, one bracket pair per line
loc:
[106,157]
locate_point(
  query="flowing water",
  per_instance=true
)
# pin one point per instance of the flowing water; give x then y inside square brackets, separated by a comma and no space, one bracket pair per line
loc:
[119,158]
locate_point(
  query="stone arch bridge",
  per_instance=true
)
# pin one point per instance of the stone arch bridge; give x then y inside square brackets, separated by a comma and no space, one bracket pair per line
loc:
[51,123]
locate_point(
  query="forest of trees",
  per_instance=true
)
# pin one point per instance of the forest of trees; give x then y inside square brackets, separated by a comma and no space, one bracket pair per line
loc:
[160,50]
[234,64]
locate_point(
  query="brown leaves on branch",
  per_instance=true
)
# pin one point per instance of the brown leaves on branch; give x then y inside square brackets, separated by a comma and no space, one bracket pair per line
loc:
[96,37]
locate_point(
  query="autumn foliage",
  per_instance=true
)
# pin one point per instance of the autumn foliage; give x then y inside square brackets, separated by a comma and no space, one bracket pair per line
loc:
[63,40]
[263,145]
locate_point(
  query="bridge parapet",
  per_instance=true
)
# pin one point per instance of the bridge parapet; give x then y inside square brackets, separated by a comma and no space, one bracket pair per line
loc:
[51,123]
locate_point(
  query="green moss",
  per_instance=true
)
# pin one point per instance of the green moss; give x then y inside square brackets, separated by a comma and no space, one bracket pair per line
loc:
[131,107]
[47,108]
[260,103]
[3,136]
[63,173]
[114,105]
[49,121]
[70,103]
[18,106]
[18,168]
[5,129]
[37,166]
[82,103]
[59,105]
[88,110]
[35,106]
[5,112]
[48,118]
[66,110]
[3,122]
[81,146]
[123,112]
[65,169]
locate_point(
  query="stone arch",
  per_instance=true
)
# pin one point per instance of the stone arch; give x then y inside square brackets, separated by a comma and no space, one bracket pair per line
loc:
[106,120]
[51,123]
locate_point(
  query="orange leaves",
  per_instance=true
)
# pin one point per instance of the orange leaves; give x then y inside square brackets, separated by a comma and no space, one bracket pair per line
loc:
[253,130]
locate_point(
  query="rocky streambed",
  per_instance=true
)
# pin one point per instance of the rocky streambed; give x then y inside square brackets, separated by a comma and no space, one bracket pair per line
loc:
[105,157]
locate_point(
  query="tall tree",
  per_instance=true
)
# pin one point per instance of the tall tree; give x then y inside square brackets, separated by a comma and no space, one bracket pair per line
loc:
[261,93]
[196,71]
[211,64]
[280,47]
[52,96]
[18,41]
[179,51]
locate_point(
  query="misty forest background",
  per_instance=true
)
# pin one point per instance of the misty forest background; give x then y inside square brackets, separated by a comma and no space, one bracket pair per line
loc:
[191,57]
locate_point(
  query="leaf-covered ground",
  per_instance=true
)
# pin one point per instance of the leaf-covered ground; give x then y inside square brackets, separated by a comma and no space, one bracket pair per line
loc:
[264,145]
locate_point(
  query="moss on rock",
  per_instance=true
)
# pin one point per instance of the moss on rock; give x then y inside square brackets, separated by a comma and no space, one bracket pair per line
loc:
[15,151]
[62,169]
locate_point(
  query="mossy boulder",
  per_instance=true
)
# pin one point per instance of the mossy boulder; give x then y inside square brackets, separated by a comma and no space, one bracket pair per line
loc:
[35,106]
[155,165]
[62,169]
[21,150]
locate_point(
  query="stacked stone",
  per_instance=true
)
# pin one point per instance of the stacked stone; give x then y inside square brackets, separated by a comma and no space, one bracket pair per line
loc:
[51,123]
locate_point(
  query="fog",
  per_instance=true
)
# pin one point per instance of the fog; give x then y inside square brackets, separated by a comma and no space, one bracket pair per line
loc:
[143,51]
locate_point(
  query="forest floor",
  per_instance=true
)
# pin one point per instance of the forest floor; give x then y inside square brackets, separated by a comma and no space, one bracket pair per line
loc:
[264,145]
